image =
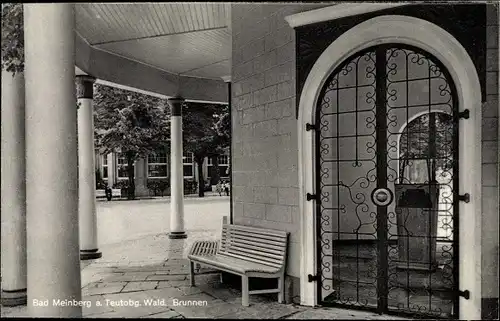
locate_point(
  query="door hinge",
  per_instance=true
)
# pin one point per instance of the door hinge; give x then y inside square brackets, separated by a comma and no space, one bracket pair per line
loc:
[464,114]
[464,198]
[311,196]
[312,278]
[311,127]
[465,294]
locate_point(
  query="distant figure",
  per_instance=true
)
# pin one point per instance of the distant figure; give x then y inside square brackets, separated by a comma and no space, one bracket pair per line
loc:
[109,193]
[226,188]
[218,188]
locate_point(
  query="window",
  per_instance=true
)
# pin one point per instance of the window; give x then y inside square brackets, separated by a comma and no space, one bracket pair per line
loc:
[122,166]
[157,165]
[104,167]
[188,164]
[223,166]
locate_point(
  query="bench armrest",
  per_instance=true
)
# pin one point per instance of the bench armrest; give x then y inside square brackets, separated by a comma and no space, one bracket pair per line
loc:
[204,248]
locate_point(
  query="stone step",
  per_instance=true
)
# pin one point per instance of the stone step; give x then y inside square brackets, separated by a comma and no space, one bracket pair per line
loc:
[399,299]
[416,280]
[359,250]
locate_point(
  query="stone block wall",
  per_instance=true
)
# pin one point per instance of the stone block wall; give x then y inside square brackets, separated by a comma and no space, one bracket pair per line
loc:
[265,158]
[490,166]
[265,146]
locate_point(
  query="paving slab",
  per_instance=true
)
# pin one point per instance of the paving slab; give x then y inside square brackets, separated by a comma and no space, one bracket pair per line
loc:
[178,283]
[141,263]
[135,304]
[272,310]
[241,314]
[126,277]
[340,314]
[200,306]
[164,315]
[164,293]
[103,288]
[95,308]
[215,309]
[189,290]
[166,277]
[140,286]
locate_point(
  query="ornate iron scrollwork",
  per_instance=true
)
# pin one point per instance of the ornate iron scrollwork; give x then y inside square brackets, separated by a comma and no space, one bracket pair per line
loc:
[386,131]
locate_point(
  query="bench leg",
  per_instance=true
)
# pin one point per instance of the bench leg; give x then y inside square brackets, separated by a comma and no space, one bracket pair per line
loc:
[244,291]
[281,288]
[191,272]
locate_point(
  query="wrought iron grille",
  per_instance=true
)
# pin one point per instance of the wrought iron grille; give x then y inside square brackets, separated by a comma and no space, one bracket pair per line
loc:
[387,180]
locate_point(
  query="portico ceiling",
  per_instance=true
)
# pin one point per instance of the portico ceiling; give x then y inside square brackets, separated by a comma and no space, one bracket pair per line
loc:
[187,39]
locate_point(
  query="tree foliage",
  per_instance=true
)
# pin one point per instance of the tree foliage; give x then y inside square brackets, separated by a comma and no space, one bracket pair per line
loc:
[206,133]
[12,37]
[134,124]
[420,142]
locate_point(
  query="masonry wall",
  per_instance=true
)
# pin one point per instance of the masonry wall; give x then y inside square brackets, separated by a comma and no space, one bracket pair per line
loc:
[490,166]
[265,147]
[265,176]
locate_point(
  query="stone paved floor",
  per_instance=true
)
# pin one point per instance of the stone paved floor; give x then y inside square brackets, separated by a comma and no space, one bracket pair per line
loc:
[147,277]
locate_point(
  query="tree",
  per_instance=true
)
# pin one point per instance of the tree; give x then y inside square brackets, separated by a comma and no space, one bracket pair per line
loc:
[12,37]
[429,138]
[134,124]
[222,127]
[205,134]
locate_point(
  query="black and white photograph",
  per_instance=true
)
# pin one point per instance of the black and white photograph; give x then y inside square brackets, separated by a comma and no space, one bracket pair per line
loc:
[250,160]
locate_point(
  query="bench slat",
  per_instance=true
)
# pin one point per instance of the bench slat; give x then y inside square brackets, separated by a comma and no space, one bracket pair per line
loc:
[255,240]
[262,253]
[229,233]
[204,248]
[257,230]
[258,256]
[258,234]
[270,247]
[246,258]
[253,246]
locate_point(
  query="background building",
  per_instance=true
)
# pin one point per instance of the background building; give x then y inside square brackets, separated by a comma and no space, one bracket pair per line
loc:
[113,169]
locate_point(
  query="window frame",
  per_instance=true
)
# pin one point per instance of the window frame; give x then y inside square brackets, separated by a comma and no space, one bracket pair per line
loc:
[186,156]
[156,163]
[222,165]
[120,156]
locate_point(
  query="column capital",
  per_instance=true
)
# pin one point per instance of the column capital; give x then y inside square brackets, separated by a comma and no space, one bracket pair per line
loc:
[84,86]
[176,105]
[226,78]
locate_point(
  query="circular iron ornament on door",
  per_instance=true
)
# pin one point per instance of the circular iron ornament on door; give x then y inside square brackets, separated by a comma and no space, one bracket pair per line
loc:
[382,196]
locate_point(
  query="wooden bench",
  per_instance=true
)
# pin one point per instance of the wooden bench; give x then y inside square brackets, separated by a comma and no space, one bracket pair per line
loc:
[245,251]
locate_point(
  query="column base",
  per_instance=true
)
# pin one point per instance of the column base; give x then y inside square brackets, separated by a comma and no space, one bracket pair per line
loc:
[14,298]
[177,235]
[90,254]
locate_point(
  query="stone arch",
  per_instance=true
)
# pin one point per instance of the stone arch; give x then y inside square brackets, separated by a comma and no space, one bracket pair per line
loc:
[442,45]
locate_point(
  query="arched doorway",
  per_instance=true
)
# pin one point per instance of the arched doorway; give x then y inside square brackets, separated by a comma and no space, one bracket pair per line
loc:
[378,210]
[391,29]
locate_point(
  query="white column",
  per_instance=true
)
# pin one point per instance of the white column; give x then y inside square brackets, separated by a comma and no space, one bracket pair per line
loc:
[86,169]
[205,168]
[51,160]
[13,209]
[227,80]
[195,171]
[111,170]
[141,173]
[176,171]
